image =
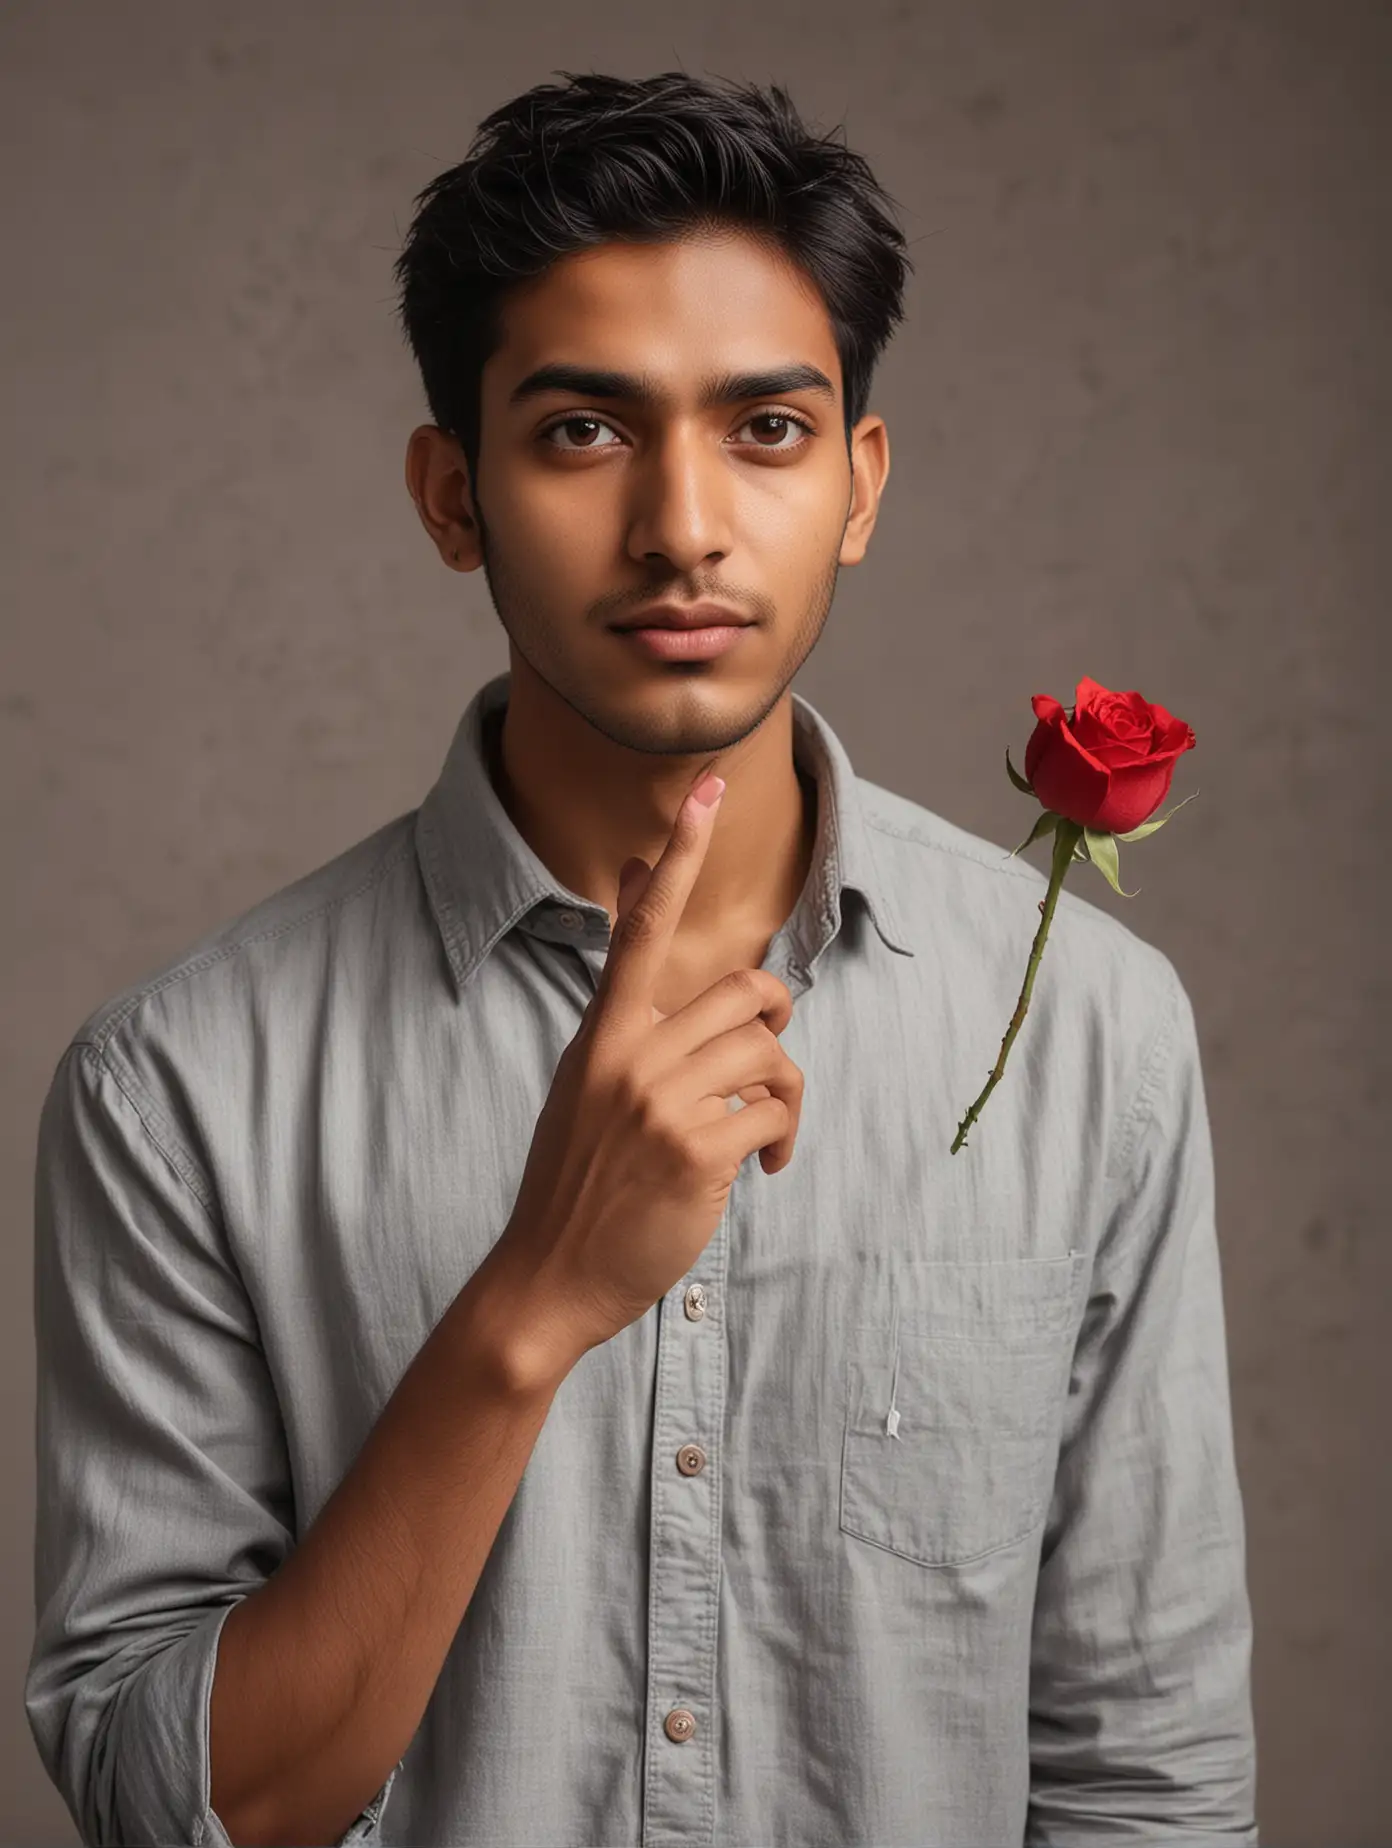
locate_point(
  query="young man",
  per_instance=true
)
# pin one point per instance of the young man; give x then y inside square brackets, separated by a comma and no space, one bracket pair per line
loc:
[446,1432]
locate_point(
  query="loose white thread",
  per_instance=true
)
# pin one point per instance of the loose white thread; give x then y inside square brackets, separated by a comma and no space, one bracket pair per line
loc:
[892,1418]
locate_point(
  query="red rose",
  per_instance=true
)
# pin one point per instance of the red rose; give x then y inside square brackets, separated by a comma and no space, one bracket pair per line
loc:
[1107,764]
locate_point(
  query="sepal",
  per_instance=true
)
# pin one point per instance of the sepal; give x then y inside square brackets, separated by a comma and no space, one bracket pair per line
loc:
[1149,827]
[1046,824]
[1015,776]
[1102,851]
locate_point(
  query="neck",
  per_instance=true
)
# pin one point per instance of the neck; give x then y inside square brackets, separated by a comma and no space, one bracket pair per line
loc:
[584,805]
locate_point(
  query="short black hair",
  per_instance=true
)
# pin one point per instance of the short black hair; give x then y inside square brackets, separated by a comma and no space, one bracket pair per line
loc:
[565,166]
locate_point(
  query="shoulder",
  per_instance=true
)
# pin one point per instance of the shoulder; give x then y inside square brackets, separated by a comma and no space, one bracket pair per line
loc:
[270,954]
[928,858]
[966,903]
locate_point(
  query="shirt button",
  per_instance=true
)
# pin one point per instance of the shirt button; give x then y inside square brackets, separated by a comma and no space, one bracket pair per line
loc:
[679,1724]
[691,1459]
[694,1302]
[569,920]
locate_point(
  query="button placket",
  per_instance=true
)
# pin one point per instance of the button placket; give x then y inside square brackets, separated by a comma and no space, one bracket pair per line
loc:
[684,1560]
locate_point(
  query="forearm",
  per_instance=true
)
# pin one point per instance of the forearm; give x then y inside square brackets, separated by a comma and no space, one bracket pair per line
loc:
[322,1674]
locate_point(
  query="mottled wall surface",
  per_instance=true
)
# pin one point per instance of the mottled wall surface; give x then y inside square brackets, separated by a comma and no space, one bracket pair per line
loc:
[1140,427]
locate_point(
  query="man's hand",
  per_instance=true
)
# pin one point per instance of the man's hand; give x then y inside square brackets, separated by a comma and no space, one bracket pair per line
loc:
[636,1147]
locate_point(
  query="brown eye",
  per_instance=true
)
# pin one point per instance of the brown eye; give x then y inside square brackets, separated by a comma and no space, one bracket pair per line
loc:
[583,430]
[777,430]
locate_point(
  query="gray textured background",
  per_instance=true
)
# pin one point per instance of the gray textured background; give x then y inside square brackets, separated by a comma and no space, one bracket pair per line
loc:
[1140,426]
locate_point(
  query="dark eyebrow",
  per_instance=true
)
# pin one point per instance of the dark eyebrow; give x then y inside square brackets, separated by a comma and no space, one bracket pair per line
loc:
[634,388]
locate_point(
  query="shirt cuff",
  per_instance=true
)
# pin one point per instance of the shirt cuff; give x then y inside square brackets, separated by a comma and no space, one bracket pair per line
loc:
[166,1774]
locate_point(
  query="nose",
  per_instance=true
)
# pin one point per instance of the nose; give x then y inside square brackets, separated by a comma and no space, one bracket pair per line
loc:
[680,512]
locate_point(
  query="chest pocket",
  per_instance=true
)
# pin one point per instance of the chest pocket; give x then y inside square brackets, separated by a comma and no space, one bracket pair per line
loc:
[953,1405]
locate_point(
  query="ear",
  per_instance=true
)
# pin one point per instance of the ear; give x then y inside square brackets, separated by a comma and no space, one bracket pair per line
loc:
[869,473]
[437,479]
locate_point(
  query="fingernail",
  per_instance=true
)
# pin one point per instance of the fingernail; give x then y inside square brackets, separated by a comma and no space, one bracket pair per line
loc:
[709,790]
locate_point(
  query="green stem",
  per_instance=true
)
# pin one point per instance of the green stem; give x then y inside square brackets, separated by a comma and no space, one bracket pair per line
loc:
[1066,837]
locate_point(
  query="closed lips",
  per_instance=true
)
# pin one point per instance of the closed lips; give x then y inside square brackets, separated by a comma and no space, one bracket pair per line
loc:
[704,618]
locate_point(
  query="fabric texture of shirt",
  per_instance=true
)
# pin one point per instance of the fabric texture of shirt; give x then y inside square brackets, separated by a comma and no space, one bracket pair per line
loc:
[908,1516]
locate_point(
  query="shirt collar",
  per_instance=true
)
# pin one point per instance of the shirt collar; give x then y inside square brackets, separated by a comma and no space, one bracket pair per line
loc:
[482,879]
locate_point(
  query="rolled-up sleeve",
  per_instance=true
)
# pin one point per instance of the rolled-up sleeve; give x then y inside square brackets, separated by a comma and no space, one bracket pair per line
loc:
[163,1486]
[1140,1708]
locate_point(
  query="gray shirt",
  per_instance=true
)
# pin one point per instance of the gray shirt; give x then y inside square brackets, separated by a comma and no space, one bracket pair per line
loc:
[908,1516]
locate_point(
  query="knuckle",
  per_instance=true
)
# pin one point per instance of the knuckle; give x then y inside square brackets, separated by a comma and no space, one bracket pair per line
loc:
[745,983]
[640,924]
[748,1046]
[625,1094]
[655,1119]
[770,1050]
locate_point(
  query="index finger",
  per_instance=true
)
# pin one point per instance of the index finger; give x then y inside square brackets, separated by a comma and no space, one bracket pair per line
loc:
[642,939]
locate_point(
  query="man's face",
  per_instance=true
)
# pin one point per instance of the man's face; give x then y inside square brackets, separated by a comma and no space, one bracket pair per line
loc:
[696,451]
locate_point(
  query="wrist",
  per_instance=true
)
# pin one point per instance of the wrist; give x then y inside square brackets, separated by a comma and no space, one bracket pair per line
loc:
[514,1330]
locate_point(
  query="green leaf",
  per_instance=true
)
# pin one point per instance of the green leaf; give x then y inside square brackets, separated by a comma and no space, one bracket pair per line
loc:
[1149,827]
[1080,851]
[1046,824]
[1102,851]
[1015,776]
